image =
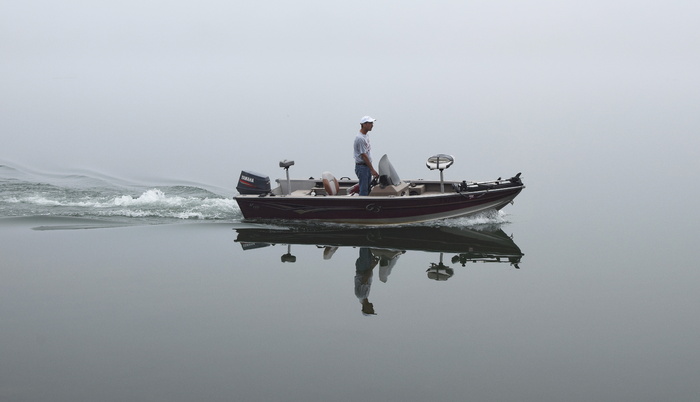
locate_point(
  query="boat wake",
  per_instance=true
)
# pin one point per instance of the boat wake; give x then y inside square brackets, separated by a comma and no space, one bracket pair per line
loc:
[30,194]
[487,220]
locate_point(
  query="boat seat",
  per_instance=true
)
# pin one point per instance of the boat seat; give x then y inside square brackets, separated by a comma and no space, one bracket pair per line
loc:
[330,183]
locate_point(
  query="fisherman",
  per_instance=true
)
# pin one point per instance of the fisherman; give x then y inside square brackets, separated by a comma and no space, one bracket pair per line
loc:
[363,156]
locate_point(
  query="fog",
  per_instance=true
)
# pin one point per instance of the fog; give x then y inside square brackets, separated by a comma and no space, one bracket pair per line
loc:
[596,103]
[198,91]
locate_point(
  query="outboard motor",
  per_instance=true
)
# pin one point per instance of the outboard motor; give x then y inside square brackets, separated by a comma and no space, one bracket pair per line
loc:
[253,183]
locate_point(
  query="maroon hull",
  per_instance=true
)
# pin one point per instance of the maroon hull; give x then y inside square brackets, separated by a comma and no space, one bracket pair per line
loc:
[375,210]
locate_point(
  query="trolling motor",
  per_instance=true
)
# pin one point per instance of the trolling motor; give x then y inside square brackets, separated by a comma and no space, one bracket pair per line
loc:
[440,162]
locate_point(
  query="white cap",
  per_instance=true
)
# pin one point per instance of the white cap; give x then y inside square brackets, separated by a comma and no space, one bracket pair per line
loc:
[367,119]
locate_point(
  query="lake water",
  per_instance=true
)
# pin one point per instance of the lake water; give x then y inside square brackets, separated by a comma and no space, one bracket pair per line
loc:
[586,289]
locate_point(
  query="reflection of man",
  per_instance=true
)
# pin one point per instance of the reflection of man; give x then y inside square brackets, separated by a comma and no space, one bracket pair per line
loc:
[363,279]
[387,260]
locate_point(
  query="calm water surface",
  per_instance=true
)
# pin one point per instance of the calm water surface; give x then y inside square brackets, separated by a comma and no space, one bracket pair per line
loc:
[575,300]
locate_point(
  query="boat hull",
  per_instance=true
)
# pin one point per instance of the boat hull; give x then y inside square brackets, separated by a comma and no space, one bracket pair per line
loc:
[373,210]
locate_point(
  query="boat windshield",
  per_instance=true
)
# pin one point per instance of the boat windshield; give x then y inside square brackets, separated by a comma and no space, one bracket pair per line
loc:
[386,169]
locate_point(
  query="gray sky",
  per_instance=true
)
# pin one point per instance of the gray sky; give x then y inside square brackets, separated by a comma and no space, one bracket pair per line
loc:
[200,90]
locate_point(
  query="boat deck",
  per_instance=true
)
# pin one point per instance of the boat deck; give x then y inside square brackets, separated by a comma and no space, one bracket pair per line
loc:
[410,188]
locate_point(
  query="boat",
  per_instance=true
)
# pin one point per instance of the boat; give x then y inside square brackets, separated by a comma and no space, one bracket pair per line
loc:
[391,200]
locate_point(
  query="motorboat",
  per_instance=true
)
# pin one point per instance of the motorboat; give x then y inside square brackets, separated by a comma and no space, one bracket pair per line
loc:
[390,201]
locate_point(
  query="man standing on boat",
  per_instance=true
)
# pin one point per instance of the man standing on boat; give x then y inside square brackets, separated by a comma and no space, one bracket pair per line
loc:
[363,156]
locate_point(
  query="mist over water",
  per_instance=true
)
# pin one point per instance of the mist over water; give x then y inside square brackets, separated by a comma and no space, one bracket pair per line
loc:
[551,298]
[134,120]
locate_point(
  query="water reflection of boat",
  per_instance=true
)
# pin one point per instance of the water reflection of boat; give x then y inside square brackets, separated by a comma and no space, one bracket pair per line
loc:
[470,245]
[378,249]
